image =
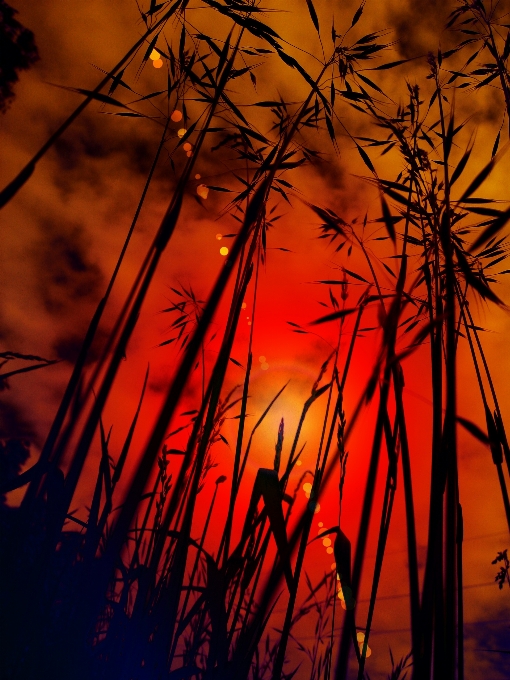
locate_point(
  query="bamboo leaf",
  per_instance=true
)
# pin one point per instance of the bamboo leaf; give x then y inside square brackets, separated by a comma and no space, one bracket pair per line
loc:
[332,317]
[313,15]
[481,177]
[355,276]
[491,230]
[480,286]
[473,429]
[391,64]
[365,157]
[357,14]
[388,221]
[461,165]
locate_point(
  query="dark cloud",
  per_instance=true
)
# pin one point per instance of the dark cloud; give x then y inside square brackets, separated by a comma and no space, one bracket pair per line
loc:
[67,346]
[65,274]
[489,640]
[81,153]
[418,25]
[14,423]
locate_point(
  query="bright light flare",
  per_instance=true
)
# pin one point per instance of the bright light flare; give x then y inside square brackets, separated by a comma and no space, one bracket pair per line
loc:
[202,191]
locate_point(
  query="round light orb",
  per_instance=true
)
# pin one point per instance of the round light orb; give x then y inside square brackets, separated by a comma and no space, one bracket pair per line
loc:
[202,191]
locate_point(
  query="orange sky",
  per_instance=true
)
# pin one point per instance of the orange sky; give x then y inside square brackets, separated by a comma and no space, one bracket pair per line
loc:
[62,234]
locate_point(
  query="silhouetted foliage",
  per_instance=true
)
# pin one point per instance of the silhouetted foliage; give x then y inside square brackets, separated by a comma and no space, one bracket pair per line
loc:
[18,52]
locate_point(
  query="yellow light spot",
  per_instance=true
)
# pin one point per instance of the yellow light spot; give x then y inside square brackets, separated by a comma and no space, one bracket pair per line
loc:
[197,176]
[262,359]
[154,55]
[176,116]
[264,366]
[187,146]
[202,191]
[158,63]
[348,602]
[181,132]
[317,508]
[243,306]
[321,524]
[368,652]
[329,551]
[326,542]
[224,251]
[299,462]
[307,487]
[360,636]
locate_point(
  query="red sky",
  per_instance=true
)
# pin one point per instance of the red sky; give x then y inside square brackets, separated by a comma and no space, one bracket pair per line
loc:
[62,234]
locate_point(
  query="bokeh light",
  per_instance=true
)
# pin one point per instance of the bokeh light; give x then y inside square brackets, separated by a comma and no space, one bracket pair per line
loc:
[154,55]
[181,132]
[158,63]
[224,251]
[176,116]
[202,191]
[367,653]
